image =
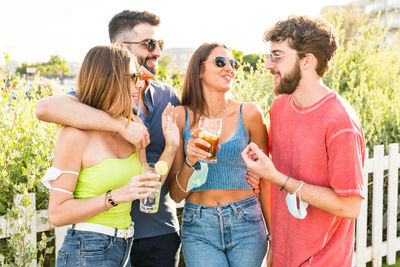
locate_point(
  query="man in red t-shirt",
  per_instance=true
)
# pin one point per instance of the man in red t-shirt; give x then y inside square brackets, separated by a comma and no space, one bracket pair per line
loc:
[317,148]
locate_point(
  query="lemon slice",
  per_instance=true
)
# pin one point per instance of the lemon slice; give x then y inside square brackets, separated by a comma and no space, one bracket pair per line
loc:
[161,167]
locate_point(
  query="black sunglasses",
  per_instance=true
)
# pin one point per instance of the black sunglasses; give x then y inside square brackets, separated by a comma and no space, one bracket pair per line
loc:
[220,62]
[134,76]
[149,44]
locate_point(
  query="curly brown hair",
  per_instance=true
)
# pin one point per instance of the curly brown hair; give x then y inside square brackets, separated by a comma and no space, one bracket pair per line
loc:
[306,35]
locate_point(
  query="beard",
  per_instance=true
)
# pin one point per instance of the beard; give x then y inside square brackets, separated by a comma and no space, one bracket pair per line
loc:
[143,61]
[288,83]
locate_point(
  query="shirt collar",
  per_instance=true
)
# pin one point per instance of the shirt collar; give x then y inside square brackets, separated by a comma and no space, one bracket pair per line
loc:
[149,90]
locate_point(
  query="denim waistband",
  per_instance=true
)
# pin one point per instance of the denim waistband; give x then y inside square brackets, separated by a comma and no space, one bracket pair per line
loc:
[251,200]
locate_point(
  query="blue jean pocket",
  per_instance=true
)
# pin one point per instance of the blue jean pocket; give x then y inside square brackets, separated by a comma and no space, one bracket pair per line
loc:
[96,244]
[188,217]
[251,213]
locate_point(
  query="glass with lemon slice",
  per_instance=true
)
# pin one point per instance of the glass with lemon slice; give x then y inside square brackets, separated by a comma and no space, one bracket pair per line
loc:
[150,203]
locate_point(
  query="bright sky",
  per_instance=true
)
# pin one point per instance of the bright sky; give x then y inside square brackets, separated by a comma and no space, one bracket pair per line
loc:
[34,30]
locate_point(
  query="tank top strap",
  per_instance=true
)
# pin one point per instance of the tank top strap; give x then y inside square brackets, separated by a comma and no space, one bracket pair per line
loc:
[187,123]
[241,125]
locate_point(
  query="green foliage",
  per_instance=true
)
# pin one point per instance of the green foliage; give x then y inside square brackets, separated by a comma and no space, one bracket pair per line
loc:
[255,86]
[167,74]
[26,152]
[238,55]
[55,66]
[351,18]
[366,72]
[252,60]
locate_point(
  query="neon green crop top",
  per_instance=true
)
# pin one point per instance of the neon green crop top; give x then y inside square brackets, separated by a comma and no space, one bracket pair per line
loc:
[110,174]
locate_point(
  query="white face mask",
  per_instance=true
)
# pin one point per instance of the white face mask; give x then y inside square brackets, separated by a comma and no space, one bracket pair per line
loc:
[291,202]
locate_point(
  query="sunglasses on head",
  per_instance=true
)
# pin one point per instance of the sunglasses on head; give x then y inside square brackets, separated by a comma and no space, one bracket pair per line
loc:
[220,62]
[149,44]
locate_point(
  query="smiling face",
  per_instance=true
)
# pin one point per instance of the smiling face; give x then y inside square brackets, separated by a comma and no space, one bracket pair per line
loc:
[143,32]
[213,76]
[285,68]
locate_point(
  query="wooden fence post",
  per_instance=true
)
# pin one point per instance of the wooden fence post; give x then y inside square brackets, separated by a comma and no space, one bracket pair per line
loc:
[377,206]
[361,222]
[394,164]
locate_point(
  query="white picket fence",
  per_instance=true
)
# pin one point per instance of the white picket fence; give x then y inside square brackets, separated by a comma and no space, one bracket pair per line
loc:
[380,166]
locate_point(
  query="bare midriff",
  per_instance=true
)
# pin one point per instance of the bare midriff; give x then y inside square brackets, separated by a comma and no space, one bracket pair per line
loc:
[218,197]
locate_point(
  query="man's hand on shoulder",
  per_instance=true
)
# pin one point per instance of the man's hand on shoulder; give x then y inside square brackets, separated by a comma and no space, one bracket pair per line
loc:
[135,133]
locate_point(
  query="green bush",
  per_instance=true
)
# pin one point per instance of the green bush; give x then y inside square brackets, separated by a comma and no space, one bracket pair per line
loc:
[366,72]
[26,152]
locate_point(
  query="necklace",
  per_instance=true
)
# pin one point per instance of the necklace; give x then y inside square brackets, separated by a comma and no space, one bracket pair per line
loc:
[220,111]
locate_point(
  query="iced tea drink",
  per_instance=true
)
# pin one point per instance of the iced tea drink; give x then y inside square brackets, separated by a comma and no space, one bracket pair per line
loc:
[210,133]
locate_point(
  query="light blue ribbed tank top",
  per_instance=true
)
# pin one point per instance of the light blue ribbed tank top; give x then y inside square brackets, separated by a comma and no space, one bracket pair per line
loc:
[230,170]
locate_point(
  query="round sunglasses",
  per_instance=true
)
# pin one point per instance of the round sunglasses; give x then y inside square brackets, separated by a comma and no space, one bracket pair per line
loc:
[220,62]
[150,44]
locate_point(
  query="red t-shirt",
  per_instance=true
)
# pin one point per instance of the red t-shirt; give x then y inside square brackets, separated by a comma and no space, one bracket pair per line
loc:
[323,145]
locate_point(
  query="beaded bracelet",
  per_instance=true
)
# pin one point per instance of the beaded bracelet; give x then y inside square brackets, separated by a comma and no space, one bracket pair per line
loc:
[109,198]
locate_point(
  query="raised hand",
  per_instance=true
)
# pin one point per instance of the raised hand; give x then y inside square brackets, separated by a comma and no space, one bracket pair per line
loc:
[257,162]
[169,126]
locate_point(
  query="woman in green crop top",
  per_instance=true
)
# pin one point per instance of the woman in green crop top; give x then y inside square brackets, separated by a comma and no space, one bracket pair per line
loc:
[222,221]
[97,174]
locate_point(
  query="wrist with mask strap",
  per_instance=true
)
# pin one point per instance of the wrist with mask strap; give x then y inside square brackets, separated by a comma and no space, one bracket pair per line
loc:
[291,202]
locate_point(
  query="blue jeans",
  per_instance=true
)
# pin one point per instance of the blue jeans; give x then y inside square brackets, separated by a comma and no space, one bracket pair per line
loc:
[84,248]
[230,235]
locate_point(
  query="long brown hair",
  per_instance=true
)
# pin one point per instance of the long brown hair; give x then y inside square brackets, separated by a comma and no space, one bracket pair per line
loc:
[103,80]
[192,91]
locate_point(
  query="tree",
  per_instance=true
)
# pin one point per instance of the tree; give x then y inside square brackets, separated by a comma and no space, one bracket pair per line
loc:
[252,60]
[55,66]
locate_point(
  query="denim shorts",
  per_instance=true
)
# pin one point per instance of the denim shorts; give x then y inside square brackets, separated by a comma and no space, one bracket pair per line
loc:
[84,248]
[230,235]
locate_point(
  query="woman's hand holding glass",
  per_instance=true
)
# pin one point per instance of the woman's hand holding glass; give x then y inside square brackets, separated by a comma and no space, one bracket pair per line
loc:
[193,151]
[139,187]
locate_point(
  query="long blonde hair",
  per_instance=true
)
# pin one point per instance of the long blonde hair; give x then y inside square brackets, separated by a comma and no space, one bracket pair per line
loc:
[103,80]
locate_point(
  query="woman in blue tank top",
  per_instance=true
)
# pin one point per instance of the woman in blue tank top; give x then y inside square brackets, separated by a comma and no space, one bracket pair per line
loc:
[222,223]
